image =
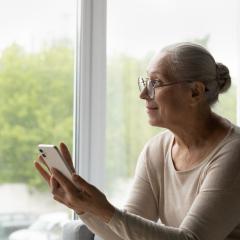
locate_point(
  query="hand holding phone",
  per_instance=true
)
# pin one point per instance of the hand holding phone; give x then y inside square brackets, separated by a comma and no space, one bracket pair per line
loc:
[54,159]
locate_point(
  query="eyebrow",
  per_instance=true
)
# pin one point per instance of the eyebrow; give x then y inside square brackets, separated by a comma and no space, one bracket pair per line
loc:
[158,79]
[152,73]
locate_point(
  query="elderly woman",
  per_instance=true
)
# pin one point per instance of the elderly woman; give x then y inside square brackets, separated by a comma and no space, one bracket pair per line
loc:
[187,181]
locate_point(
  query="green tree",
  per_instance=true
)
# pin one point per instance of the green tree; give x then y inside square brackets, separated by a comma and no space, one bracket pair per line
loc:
[35,106]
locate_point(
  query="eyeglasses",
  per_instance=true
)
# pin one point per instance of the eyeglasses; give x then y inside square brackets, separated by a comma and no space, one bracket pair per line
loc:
[152,84]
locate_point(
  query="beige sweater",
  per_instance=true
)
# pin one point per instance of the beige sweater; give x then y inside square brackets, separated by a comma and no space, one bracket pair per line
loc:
[202,203]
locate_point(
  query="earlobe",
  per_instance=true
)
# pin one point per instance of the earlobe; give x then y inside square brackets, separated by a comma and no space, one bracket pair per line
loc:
[197,91]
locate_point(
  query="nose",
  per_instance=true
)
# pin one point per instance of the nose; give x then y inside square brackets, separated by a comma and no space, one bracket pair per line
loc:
[144,94]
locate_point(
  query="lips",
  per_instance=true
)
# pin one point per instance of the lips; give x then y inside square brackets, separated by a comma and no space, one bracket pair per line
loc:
[151,108]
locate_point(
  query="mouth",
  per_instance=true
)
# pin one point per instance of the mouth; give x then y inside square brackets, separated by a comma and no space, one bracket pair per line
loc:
[152,108]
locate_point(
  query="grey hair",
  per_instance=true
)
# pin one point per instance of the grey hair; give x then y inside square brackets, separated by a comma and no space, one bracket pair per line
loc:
[192,62]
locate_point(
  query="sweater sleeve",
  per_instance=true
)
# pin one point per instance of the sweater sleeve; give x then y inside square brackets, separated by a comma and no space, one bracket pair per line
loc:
[98,227]
[142,193]
[140,196]
[214,213]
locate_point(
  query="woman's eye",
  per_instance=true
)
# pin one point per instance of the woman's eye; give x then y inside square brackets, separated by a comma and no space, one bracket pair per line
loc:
[156,83]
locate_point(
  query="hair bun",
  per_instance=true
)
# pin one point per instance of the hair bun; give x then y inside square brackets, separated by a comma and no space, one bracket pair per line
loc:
[223,78]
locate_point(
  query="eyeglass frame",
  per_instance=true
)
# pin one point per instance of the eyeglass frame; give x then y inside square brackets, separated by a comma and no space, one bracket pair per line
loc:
[146,80]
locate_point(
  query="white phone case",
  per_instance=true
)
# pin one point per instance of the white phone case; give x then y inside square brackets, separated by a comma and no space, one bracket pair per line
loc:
[54,158]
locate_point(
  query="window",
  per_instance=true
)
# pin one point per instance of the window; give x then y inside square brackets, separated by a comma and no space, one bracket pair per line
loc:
[36,88]
[136,29]
[37,51]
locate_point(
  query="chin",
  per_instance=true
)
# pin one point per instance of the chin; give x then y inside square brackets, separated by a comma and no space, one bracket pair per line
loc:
[155,122]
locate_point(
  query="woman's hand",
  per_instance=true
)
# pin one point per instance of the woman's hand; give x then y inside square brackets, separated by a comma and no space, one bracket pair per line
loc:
[47,174]
[79,195]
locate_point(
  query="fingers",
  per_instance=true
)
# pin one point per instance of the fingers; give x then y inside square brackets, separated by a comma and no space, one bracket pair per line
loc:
[80,183]
[53,184]
[56,189]
[61,196]
[42,172]
[63,181]
[67,156]
[41,159]
[64,202]
[59,199]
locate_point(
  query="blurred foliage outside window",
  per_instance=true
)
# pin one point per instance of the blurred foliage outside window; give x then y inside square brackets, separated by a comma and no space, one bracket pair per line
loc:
[35,107]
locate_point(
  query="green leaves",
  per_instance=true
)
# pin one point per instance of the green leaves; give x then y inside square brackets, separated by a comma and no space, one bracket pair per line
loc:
[36,92]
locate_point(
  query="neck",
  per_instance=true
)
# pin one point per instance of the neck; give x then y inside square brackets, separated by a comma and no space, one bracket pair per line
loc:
[198,129]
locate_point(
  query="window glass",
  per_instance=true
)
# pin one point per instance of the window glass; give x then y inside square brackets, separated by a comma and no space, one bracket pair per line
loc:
[136,29]
[36,92]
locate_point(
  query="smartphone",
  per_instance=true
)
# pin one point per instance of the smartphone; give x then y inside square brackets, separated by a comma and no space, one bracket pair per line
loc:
[53,158]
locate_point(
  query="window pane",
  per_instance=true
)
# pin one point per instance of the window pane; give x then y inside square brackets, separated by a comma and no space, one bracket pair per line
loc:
[36,92]
[136,29]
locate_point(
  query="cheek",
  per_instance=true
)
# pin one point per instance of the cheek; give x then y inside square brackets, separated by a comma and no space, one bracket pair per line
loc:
[170,104]
[167,101]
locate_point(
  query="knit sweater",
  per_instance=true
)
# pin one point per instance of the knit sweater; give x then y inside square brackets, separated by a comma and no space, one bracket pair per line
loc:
[202,203]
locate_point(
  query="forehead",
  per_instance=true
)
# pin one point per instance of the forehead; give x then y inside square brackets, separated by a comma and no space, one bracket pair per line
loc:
[158,67]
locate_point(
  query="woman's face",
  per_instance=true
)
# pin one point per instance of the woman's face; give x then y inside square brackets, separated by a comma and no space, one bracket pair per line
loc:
[170,104]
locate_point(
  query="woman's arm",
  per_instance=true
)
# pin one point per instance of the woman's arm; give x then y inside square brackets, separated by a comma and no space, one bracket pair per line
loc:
[214,214]
[141,195]
[99,227]
[142,200]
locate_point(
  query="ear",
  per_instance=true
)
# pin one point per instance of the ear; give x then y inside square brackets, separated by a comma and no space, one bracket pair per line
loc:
[197,92]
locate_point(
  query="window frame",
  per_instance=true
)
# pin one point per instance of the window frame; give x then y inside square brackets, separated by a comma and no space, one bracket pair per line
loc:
[238,82]
[90,91]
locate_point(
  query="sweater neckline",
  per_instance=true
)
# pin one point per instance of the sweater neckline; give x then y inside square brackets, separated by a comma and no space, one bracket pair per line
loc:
[205,160]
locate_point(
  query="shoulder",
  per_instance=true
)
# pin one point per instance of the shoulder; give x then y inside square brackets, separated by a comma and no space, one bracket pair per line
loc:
[156,149]
[223,171]
[231,144]
[235,132]
[159,141]
[229,150]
